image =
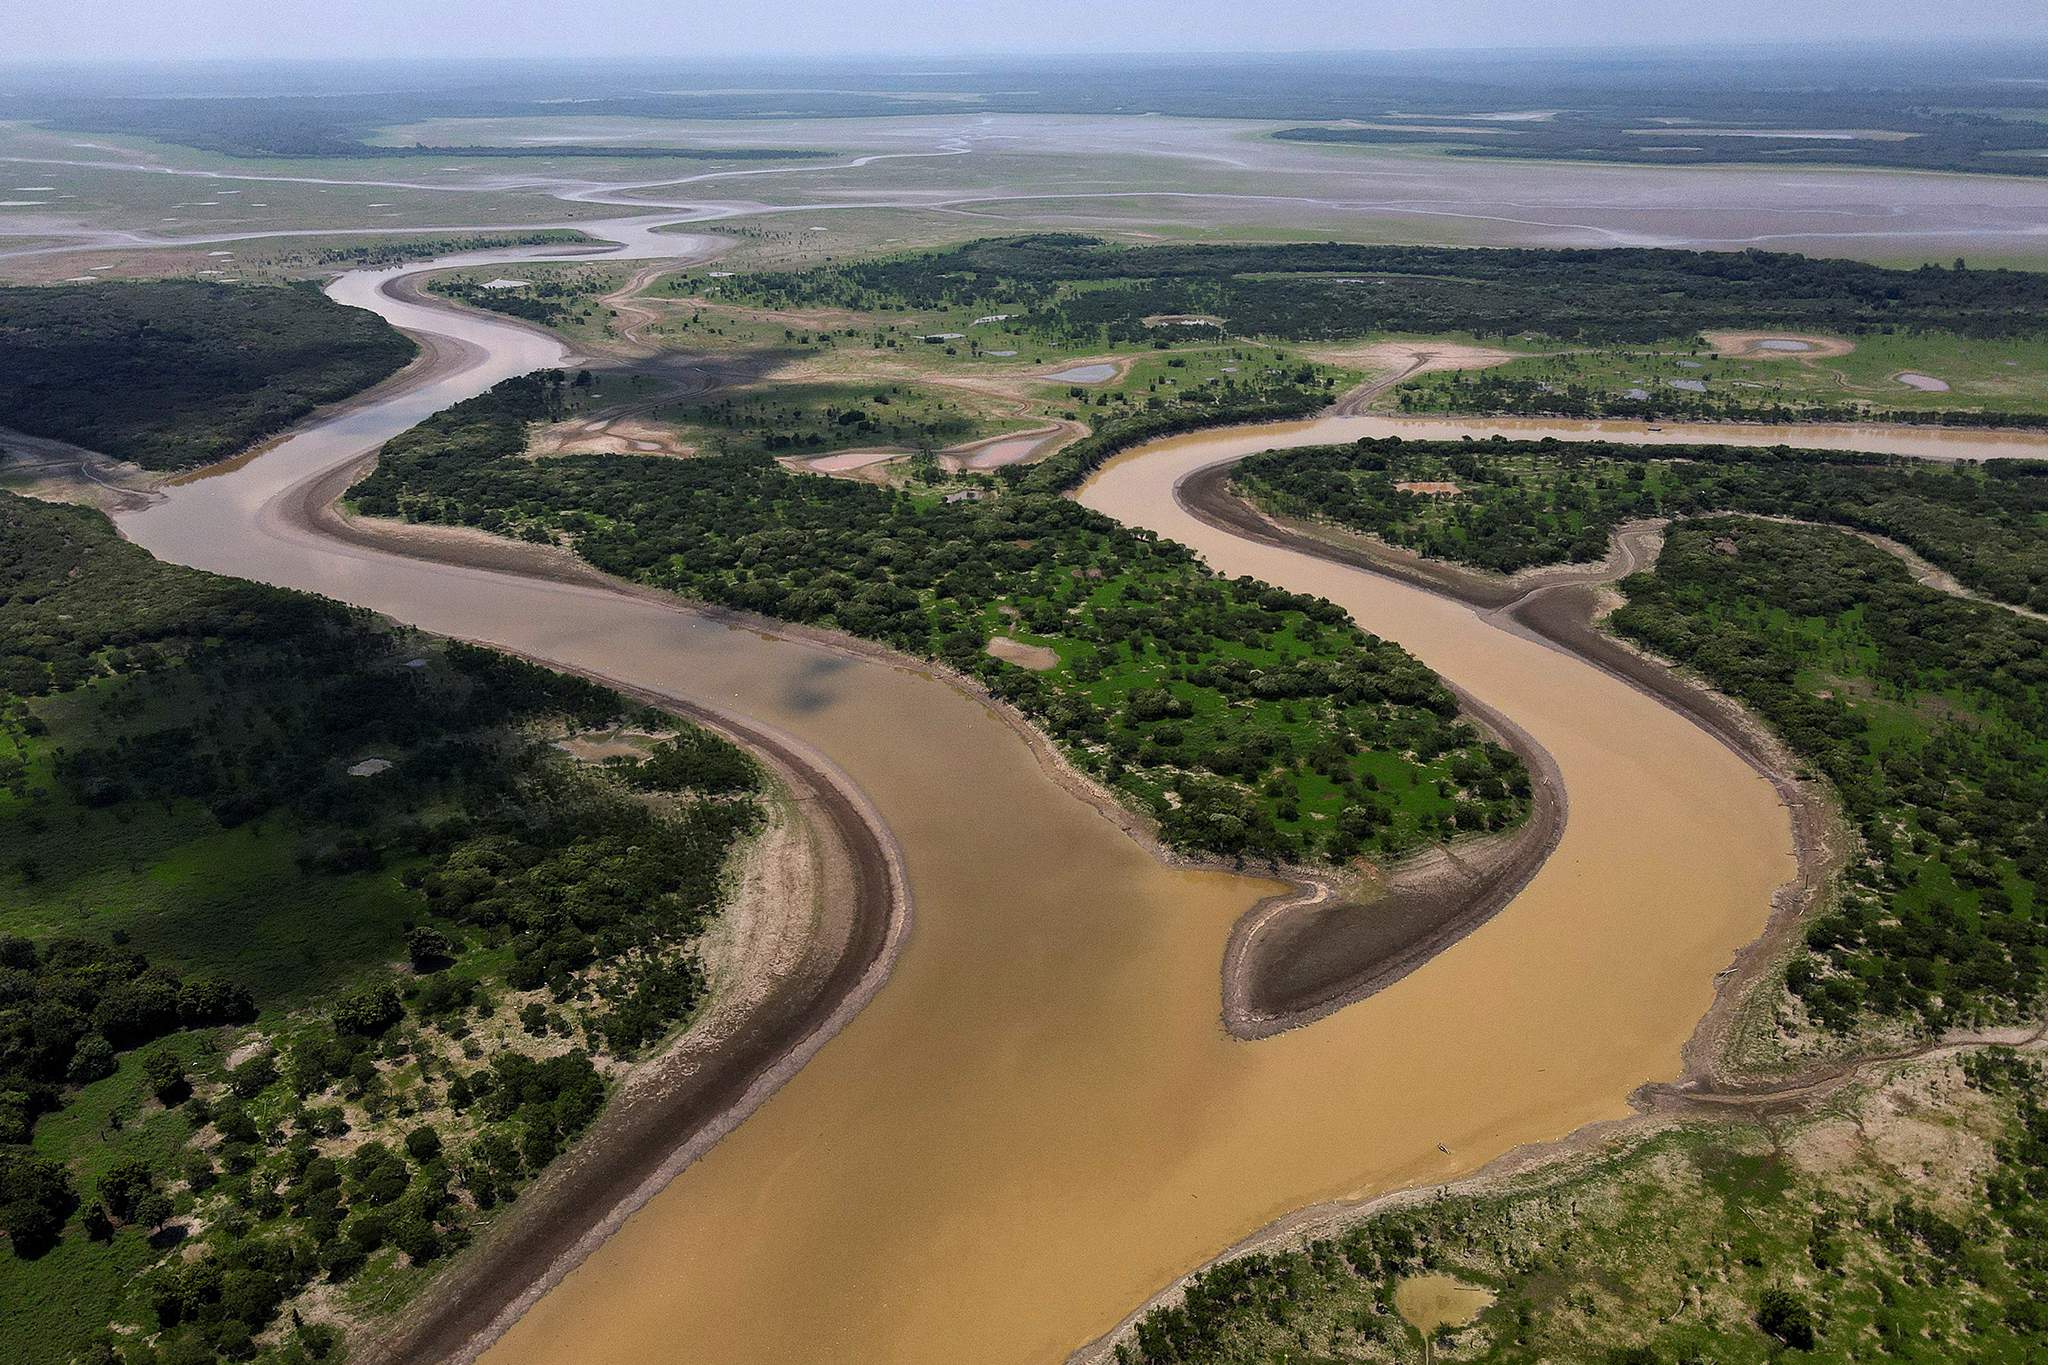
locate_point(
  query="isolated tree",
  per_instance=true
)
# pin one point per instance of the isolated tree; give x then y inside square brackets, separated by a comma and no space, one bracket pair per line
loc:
[429,949]
[1783,1315]
[165,1074]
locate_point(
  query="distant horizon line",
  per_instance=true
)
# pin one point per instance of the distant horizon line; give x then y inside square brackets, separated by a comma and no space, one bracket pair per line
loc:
[2008,46]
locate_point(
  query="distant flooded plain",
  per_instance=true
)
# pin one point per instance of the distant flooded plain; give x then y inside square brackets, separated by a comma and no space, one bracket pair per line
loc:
[1040,1120]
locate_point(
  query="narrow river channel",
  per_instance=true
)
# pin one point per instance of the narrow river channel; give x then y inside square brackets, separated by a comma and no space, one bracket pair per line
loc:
[1039,1120]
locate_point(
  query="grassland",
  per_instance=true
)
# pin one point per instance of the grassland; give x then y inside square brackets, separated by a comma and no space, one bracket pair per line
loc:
[814,418]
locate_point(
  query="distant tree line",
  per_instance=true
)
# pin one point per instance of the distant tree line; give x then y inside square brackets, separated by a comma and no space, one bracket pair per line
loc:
[1074,289]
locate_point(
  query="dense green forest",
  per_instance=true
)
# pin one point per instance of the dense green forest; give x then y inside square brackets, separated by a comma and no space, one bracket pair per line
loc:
[1929,716]
[548,302]
[425,248]
[173,373]
[1523,503]
[1247,719]
[1928,713]
[1072,289]
[1805,1239]
[223,803]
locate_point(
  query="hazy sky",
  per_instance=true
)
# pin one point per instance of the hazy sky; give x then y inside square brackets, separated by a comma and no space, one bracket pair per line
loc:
[684,28]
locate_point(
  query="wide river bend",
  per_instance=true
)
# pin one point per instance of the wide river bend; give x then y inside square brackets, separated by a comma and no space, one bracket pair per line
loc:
[1040,1119]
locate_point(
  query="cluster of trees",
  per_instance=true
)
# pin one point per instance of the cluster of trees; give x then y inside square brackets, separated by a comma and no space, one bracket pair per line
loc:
[799,418]
[69,1009]
[427,248]
[172,373]
[1813,1259]
[1075,289]
[1526,503]
[548,302]
[1490,392]
[534,885]
[1929,716]
[1217,703]
[1928,713]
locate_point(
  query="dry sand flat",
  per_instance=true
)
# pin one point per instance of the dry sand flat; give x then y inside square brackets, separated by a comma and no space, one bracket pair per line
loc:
[1391,362]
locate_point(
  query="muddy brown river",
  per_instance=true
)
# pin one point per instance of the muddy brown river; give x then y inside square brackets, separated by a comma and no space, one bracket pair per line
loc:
[1039,1120]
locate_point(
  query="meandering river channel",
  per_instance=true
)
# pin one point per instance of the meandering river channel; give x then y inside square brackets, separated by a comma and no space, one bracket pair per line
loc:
[1040,1119]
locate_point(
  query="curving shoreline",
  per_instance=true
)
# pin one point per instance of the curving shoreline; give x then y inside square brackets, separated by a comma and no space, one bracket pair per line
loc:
[1559,607]
[699,1089]
[1295,958]
[694,1093]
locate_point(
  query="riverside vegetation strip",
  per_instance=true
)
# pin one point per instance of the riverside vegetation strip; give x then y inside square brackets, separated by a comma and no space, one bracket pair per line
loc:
[1987,382]
[190,846]
[1247,720]
[174,373]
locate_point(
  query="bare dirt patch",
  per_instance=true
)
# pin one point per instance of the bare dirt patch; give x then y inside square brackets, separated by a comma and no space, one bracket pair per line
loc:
[844,461]
[1037,658]
[1391,362]
[1925,383]
[1757,346]
[622,435]
[600,745]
